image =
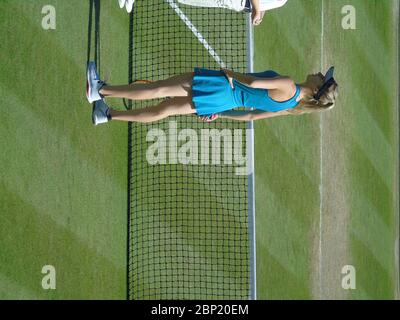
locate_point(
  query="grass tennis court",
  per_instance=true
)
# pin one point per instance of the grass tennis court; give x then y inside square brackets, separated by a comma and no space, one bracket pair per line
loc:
[326,188]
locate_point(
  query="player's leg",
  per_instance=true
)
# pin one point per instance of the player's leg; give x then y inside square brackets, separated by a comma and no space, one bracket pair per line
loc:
[171,107]
[176,86]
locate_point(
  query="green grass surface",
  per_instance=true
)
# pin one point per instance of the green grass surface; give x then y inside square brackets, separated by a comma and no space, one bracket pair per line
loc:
[359,152]
[63,181]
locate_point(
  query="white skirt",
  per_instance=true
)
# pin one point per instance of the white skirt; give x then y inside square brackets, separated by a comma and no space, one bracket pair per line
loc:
[237,5]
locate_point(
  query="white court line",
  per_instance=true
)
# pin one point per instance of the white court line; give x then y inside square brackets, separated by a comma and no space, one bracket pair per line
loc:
[321,127]
[198,35]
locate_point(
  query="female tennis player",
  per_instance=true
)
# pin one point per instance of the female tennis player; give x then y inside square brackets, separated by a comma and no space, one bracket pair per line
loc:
[210,94]
[256,7]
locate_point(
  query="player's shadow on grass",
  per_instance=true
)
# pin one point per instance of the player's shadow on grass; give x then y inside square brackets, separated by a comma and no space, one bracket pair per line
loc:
[94,9]
[128,104]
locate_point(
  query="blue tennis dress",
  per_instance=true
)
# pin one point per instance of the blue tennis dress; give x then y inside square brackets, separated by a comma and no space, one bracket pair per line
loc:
[212,93]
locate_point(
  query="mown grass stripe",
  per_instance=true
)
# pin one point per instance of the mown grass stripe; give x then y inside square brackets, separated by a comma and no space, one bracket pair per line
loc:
[67,112]
[37,239]
[370,140]
[374,280]
[52,172]
[284,242]
[374,234]
[11,290]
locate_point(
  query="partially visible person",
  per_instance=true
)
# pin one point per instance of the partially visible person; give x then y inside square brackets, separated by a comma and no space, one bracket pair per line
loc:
[256,7]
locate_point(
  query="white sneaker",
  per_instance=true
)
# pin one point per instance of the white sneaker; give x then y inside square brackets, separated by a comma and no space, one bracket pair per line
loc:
[121,3]
[100,113]
[93,83]
[129,5]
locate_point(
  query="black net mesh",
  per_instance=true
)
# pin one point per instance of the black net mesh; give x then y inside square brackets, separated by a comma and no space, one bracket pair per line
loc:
[188,223]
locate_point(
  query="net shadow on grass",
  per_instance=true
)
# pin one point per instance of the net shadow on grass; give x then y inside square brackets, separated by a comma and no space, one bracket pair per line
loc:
[94,10]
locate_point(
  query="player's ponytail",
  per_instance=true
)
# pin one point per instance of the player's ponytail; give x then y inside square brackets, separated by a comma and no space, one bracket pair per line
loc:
[309,104]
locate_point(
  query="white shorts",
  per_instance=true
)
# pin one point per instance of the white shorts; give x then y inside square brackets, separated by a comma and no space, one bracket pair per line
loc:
[237,5]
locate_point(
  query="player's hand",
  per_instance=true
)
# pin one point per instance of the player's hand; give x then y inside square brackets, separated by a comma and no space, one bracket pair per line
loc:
[229,75]
[209,118]
[257,17]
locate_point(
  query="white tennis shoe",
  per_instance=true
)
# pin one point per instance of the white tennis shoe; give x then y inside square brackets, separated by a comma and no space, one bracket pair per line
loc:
[121,3]
[129,5]
[93,83]
[100,113]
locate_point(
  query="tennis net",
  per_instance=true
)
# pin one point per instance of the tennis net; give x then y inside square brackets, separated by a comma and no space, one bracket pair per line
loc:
[189,224]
